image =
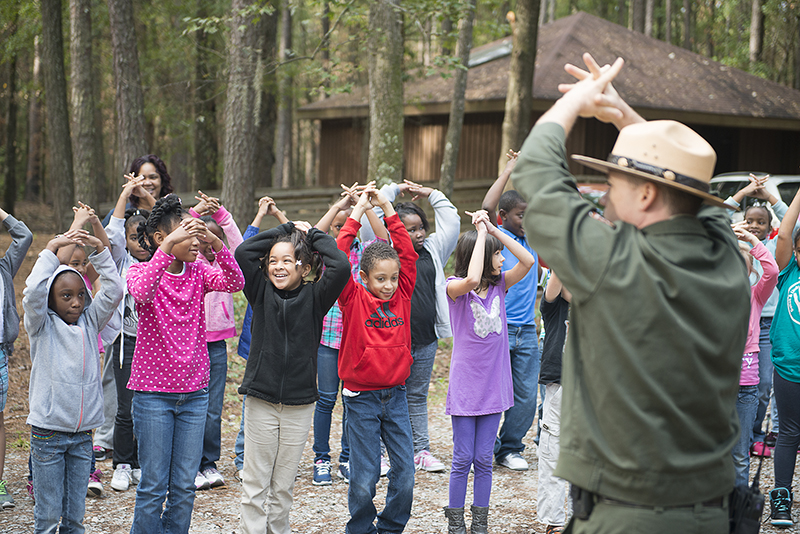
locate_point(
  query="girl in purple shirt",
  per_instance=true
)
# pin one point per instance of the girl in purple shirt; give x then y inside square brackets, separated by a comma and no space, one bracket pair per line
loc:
[480,370]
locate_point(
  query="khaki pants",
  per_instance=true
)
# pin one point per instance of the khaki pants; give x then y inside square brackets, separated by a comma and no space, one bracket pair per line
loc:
[274,438]
[616,519]
[552,492]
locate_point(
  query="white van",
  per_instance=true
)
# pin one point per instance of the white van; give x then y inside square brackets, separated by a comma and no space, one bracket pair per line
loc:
[783,186]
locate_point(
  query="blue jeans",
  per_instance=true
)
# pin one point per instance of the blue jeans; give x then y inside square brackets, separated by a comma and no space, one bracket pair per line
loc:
[238,446]
[524,347]
[328,385]
[169,428]
[764,382]
[218,356]
[60,461]
[746,407]
[417,385]
[372,415]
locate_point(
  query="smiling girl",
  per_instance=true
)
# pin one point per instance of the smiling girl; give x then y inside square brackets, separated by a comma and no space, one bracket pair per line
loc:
[170,369]
[280,379]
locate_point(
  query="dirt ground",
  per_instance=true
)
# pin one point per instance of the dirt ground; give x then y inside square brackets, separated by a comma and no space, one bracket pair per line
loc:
[316,510]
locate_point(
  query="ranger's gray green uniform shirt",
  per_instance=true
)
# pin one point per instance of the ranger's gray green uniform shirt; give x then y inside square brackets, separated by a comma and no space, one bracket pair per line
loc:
[658,326]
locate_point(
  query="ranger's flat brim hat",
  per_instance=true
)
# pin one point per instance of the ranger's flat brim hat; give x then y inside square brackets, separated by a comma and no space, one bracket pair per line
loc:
[665,152]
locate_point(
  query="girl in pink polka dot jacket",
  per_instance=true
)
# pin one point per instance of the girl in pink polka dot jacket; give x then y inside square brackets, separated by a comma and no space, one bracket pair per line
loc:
[170,369]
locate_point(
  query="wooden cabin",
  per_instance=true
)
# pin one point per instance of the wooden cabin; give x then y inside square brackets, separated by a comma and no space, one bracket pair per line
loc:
[753,124]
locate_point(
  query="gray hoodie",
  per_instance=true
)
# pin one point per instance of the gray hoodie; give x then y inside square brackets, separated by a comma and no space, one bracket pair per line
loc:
[65,392]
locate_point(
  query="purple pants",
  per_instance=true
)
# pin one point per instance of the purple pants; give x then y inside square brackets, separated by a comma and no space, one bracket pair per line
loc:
[473,445]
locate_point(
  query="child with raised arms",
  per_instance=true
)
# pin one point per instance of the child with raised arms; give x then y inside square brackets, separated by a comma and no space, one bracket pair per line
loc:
[63,321]
[480,387]
[122,231]
[170,369]
[280,378]
[374,363]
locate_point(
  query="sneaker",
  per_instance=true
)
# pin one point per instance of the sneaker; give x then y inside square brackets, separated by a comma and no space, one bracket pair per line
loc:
[771,439]
[214,477]
[427,462]
[384,466]
[514,461]
[101,453]
[121,480]
[136,476]
[201,482]
[760,448]
[322,473]
[6,500]
[344,471]
[29,487]
[95,487]
[240,475]
[553,529]
[780,503]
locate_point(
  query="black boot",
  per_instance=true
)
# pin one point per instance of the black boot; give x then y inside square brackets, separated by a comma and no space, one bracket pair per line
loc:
[780,503]
[480,520]
[455,520]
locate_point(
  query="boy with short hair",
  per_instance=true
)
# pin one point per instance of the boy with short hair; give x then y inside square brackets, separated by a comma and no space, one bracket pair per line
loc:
[9,324]
[65,396]
[374,363]
[521,317]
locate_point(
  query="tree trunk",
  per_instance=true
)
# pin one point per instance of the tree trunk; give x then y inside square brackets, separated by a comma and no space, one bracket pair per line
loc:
[10,192]
[283,142]
[82,101]
[128,85]
[636,21]
[205,112]
[756,31]
[796,83]
[551,11]
[268,110]
[238,189]
[621,12]
[447,27]
[687,24]
[519,97]
[668,20]
[55,89]
[385,68]
[456,121]
[33,175]
[648,17]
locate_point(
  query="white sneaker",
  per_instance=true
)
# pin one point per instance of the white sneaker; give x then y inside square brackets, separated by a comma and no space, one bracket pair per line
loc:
[384,466]
[201,482]
[214,477]
[122,477]
[136,476]
[514,461]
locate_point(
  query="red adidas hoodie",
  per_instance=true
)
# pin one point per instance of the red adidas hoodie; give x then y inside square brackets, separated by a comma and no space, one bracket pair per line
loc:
[376,334]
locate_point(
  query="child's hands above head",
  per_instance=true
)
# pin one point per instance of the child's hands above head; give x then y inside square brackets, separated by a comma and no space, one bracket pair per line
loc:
[742,234]
[303,226]
[61,241]
[206,205]
[418,190]
[83,214]
[481,221]
[84,238]
[266,205]
[756,188]
[512,161]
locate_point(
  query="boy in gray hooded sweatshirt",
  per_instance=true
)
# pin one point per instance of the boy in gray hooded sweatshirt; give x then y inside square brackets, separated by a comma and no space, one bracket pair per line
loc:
[65,396]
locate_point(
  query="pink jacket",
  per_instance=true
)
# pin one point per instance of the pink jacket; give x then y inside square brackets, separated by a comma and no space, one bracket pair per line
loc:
[759,294]
[219,306]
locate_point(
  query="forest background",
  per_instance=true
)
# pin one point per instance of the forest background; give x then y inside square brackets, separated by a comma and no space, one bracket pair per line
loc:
[212,86]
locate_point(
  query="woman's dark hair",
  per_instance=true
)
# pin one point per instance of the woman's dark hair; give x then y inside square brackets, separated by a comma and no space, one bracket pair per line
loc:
[165,215]
[133,216]
[463,255]
[303,252]
[409,208]
[161,169]
[377,251]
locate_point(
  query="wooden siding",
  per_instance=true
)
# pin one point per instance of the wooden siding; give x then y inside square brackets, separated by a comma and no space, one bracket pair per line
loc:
[342,155]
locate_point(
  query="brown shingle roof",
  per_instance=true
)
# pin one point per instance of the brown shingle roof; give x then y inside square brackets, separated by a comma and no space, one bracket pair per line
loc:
[657,76]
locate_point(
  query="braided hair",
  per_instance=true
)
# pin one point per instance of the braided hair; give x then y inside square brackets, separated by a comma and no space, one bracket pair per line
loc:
[133,216]
[303,252]
[167,213]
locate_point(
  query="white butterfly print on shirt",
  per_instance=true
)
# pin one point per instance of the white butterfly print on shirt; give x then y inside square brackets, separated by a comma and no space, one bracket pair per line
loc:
[487,322]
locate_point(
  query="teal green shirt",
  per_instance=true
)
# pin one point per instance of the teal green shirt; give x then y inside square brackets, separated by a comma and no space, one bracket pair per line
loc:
[658,326]
[785,331]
